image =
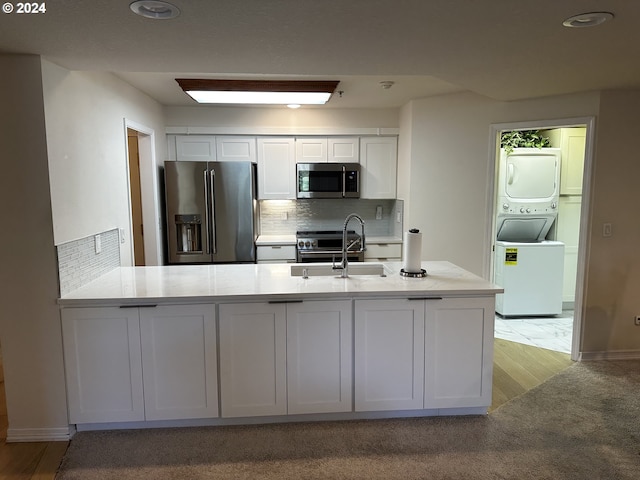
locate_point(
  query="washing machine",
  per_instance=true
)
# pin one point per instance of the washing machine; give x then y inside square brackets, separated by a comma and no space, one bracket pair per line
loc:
[527,265]
[531,274]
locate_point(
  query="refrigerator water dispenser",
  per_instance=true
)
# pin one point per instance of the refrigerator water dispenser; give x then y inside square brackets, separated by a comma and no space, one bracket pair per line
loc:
[188,228]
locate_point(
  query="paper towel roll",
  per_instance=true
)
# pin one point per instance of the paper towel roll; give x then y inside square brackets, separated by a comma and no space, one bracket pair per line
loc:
[412,251]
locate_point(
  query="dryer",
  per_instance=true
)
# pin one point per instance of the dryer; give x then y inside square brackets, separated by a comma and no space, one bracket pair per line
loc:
[528,193]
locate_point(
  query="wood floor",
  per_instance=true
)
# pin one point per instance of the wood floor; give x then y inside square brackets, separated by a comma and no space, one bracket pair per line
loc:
[517,368]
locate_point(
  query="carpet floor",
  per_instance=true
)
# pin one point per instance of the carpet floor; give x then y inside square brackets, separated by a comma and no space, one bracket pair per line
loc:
[583,423]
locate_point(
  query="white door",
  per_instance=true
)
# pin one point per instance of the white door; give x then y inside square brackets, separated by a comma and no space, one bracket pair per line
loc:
[389,355]
[311,150]
[458,352]
[200,148]
[276,168]
[179,362]
[253,359]
[343,149]
[319,356]
[102,364]
[378,157]
[236,149]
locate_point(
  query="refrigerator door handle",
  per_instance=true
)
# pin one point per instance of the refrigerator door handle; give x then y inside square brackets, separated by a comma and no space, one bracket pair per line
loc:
[206,212]
[212,176]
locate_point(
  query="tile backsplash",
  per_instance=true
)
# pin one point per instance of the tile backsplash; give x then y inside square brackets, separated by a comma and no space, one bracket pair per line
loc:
[285,217]
[78,262]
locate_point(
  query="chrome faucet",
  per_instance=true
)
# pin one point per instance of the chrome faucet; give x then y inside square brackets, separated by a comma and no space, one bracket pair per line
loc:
[344,262]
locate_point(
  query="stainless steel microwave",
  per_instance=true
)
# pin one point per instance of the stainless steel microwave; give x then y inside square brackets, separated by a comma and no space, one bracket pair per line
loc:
[328,180]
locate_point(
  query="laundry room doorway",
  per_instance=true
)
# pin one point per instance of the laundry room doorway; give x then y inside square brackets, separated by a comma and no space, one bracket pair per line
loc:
[538,235]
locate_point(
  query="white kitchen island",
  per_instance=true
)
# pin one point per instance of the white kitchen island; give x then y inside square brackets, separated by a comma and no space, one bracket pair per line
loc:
[228,344]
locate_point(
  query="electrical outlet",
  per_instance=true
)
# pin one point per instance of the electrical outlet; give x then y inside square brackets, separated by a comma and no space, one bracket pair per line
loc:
[284,215]
[122,239]
[637,321]
[379,212]
[97,243]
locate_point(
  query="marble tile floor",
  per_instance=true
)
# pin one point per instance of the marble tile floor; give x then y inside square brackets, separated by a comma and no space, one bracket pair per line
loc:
[552,333]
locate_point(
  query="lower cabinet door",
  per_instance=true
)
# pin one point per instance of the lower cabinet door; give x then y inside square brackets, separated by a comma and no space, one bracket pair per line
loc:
[103,365]
[253,359]
[179,361]
[319,357]
[389,354]
[459,352]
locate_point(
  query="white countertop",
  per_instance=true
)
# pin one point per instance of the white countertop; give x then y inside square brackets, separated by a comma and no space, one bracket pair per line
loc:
[264,282]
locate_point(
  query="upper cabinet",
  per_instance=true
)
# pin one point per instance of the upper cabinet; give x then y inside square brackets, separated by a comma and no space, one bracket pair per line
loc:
[209,148]
[378,157]
[327,149]
[236,149]
[571,142]
[276,168]
[201,148]
[311,150]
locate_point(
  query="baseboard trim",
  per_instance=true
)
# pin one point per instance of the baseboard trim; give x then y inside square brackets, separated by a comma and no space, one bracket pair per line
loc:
[58,434]
[612,355]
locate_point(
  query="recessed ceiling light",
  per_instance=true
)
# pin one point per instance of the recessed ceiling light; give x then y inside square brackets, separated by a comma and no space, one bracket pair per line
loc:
[155,9]
[258,92]
[587,19]
[293,105]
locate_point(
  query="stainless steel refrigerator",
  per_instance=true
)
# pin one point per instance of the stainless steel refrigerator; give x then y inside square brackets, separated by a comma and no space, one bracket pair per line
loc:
[211,212]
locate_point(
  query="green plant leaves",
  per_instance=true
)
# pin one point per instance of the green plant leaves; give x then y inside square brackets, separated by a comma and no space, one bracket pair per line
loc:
[522,138]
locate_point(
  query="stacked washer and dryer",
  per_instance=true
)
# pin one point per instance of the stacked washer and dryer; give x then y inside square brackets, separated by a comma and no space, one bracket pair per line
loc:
[528,267]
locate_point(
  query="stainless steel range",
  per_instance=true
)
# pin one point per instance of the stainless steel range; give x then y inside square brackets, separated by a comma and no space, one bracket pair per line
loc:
[326,246]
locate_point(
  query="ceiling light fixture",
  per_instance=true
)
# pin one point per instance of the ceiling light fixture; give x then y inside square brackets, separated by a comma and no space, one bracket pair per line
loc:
[155,9]
[587,19]
[294,105]
[258,92]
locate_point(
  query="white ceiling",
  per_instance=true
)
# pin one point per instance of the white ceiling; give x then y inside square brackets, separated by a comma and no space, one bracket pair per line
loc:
[504,49]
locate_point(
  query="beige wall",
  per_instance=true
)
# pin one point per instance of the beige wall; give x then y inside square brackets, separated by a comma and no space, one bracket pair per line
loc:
[29,319]
[613,281]
[86,140]
[449,146]
[281,119]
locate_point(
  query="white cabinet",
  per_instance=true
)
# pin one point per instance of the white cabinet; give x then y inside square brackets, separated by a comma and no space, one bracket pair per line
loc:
[179,362]
[423,354]
[276,253]
[378,158]
[568,232]
[276,168]
[236,148]
[389,354]
[109,351]
[572,143]
[319,353]
[311,150]
[209,148]
[382,252]
[200,148]
[285,358]
[343,150]
[458,352]
[103,364]
[253,359]
[327,149]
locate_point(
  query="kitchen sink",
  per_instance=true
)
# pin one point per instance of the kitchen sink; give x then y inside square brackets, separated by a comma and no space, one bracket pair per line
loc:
[326,270]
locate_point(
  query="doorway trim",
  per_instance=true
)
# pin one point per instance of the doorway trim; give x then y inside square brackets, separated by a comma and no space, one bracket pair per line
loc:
[585,209]
[149,191]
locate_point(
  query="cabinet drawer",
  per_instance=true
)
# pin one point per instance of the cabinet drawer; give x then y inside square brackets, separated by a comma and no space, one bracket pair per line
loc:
[383,250]
[286,253]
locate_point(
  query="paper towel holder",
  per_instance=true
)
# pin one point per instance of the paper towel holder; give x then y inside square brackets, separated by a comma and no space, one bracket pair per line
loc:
[422,273]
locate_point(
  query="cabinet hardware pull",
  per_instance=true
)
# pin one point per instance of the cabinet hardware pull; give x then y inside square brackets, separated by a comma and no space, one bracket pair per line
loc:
[285,301]
[425,298]
[146,305]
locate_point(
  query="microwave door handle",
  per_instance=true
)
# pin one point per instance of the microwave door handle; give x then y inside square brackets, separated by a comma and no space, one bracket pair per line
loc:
[344,181]
[212,176]
[206,211]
